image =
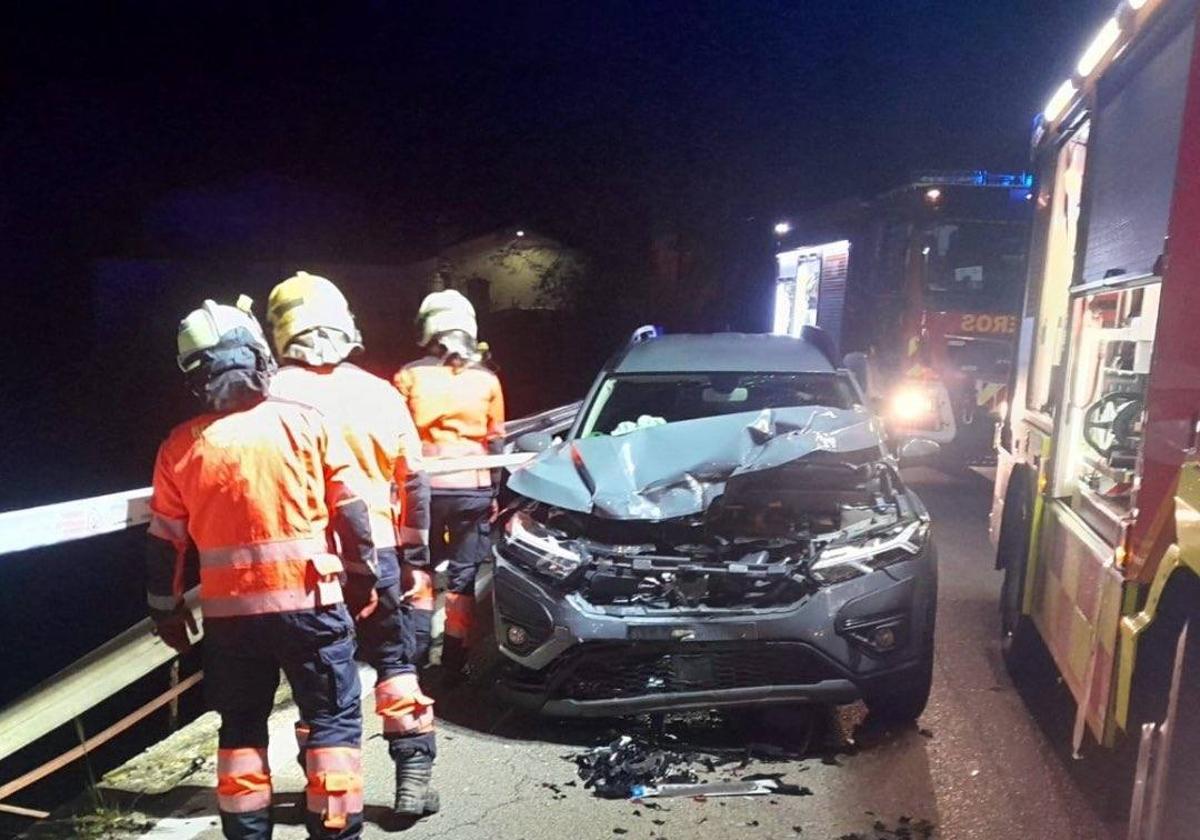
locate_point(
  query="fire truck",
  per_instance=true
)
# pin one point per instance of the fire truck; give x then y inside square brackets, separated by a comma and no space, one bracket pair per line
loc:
[927,279]
[1096,507]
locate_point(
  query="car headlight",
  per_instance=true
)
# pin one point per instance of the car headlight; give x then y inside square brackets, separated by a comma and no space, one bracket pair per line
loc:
[843,562]
[538,548]
[912,405]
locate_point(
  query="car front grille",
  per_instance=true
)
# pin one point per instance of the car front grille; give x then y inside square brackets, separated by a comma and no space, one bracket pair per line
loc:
[596,671]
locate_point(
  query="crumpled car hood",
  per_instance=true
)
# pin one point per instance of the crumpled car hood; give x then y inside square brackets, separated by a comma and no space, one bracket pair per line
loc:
[678,469]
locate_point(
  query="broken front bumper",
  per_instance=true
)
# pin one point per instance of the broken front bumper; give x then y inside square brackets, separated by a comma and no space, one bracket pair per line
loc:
[574,659]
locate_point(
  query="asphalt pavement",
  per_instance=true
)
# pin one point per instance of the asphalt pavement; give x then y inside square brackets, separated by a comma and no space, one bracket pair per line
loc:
[986,761]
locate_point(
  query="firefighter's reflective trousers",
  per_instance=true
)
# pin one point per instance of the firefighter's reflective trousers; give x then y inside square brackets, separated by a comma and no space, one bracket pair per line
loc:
[386,642]
[242,659]
[460,534]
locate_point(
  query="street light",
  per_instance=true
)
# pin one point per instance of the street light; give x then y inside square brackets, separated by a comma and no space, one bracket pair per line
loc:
[520,233]
[933,196]
[783,228]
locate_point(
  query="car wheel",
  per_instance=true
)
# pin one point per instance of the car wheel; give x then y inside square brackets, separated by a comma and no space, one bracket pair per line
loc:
[905,700]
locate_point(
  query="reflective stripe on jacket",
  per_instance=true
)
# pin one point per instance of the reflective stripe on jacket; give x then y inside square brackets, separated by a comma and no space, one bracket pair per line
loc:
[379,432]
[458,411]
[254,490]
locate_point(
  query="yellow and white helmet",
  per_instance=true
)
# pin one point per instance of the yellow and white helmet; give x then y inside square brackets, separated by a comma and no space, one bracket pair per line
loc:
[446,311]
[306,302]
[206,327]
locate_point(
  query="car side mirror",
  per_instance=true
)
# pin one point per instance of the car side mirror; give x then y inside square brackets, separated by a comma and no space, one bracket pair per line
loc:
[856,363]
[535,442]
[916,450]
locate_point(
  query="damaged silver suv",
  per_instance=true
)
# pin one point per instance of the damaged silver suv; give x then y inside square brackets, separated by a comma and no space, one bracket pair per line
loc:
[723,526]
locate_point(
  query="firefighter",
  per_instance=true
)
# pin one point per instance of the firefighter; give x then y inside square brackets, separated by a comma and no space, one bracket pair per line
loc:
[314,336]
[253,484]
[458,407]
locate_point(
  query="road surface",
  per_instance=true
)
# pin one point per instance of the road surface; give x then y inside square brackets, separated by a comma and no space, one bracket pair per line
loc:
[987,761]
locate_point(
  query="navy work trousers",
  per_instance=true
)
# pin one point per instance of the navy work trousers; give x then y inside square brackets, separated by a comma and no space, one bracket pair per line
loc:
[242,660]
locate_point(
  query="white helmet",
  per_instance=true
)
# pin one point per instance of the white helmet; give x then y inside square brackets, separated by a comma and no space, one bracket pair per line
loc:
[205,328]
[446,311]
[305,302]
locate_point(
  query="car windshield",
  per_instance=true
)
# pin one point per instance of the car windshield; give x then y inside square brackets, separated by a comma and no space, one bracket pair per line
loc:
[626,403]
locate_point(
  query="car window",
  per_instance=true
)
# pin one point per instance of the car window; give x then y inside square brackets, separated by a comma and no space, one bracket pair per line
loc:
[625,403]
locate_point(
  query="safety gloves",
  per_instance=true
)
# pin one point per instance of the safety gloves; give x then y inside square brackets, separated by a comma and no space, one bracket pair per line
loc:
[174,627]
[361,596]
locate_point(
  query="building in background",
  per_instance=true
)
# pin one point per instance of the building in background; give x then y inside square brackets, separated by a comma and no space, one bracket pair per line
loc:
[509,268]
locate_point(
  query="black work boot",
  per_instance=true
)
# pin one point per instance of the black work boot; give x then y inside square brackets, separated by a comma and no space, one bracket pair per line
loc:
[454,656]
[414,796]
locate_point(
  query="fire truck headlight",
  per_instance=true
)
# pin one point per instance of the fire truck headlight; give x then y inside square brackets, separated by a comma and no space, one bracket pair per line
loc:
[910,405]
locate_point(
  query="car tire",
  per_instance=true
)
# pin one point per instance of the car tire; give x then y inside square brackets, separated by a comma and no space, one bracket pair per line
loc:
[905,700]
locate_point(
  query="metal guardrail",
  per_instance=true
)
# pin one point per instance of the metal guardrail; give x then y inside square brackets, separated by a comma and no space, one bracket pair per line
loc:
[137,651]
[39,527]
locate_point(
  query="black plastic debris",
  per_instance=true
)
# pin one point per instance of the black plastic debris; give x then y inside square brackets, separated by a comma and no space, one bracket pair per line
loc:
[615,769]
[554,789]
[906,828]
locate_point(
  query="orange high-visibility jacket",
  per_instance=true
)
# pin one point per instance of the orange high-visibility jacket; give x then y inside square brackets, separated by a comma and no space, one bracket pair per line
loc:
[254,491]
[458,412]
[375,423]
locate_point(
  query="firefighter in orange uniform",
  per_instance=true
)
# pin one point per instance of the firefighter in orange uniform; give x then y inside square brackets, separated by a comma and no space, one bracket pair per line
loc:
[254,484]
[458,407]
[314,336]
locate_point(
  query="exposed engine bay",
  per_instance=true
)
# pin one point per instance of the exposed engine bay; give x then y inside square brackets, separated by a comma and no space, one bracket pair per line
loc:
[772,537]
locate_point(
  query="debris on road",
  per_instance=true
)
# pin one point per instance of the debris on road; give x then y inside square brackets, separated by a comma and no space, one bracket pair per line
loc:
[906,828]
[642,768]
[614,770]
[756,788]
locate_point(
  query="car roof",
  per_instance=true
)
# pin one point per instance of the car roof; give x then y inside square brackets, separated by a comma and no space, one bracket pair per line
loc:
[722,353]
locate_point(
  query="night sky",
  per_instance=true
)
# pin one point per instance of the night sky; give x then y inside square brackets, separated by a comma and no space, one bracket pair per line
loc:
[559,115]
[398,126]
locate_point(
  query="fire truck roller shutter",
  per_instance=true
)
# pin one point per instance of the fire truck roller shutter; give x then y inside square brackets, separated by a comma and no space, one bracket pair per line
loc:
[1136,135]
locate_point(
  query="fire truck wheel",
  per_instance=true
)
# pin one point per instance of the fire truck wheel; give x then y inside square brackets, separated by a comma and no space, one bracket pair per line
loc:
[1017,636]
[1148,701]
[1156,649]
